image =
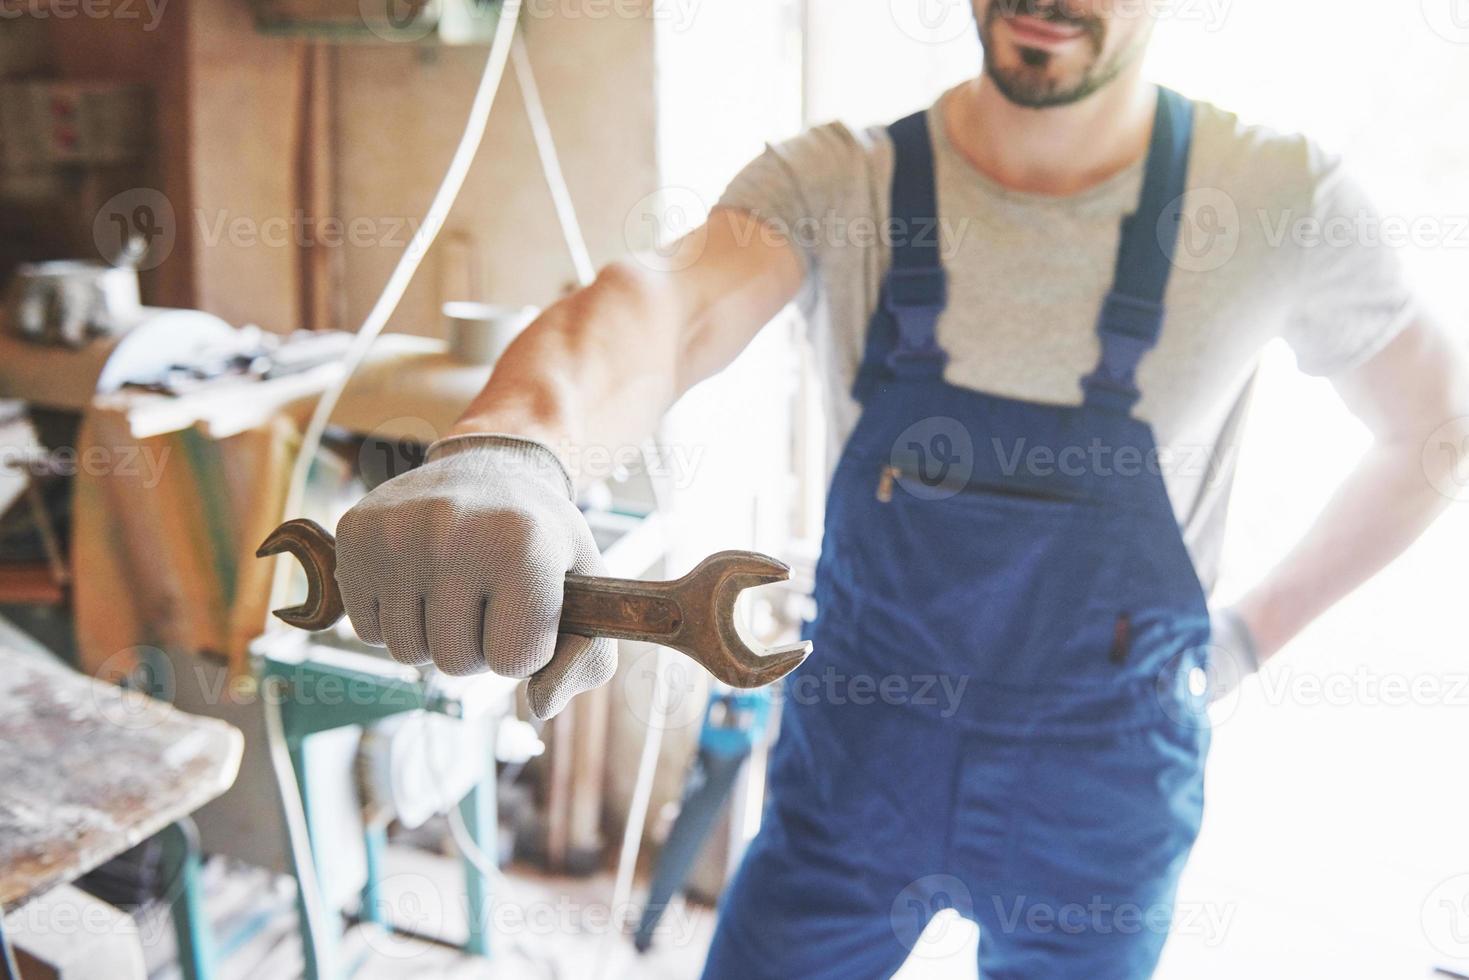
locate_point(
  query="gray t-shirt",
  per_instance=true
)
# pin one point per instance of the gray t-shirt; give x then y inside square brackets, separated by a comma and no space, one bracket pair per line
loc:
[1276,243]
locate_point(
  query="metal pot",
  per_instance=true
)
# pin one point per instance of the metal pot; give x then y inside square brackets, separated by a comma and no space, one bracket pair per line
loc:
[70,302]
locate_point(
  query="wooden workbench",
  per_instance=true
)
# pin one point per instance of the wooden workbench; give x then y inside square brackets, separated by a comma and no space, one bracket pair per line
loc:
[88,770]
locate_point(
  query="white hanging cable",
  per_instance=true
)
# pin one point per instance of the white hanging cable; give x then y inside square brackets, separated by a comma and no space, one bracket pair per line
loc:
[540,129]
[316,927]
[403,272]
[576,246]
[504,889]
[505,45]
[637,808]
[571,231]
[317,916]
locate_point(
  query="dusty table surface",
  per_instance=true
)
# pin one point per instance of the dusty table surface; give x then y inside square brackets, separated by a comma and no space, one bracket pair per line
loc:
[88,770]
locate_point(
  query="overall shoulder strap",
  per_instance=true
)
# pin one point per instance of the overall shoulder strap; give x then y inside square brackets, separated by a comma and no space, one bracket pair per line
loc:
[915,290]
[1132,316]
[917,287]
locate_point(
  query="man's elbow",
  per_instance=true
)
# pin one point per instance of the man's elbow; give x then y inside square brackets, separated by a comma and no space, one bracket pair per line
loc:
[625,290]
[1417,385]
[1427,413]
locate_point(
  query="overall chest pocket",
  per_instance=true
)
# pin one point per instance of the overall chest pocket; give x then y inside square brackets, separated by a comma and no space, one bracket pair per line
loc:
[994,581]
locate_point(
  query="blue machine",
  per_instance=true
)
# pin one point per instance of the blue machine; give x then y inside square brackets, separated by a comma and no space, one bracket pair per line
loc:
[734,721]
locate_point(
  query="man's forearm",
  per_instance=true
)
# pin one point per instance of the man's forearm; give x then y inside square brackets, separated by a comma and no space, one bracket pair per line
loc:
[596,369]
[1381,508]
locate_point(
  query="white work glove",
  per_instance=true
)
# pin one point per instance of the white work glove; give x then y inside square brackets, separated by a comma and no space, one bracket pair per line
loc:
[462,561]
[1233,654]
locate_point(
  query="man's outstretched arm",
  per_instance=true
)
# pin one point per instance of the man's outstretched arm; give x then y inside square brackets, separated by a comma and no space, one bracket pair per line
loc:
[462,561]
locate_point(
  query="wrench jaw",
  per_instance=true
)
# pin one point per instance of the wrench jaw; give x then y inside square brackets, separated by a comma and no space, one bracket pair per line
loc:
[315,548]
[735,663]
[758,670]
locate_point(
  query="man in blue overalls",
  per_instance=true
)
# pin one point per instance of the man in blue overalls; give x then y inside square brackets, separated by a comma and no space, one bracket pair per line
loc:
[1070,777]
[1037,306]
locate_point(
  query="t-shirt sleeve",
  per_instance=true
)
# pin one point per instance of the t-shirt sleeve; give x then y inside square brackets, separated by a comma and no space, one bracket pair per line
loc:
[804,188]
[1352,296]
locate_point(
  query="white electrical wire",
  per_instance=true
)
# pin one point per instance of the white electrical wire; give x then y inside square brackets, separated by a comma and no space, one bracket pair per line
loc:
[540,129]
[472,852]
[571,231]
[403,272]
[504,46]
[463,840]
[637,808]
[298,834]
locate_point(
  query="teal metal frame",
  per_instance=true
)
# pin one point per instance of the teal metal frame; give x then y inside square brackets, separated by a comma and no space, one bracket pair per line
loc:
[323,695]
[375,845]
[182,857]
[479,810]
[186,900]
[9,969]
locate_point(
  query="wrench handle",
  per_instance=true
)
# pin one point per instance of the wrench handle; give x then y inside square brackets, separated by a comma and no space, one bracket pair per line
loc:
[620,609]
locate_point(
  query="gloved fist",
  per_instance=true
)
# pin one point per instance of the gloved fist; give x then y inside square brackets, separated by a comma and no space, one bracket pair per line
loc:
[462,562]
[1233,654]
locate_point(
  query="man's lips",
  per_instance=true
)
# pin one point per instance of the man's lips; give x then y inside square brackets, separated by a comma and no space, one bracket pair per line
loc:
[1036,32]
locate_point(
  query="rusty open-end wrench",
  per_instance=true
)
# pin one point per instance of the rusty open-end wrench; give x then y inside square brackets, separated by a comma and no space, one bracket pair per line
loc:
[694,614]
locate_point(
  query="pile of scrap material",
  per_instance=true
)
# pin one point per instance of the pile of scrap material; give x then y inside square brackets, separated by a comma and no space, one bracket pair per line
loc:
[168,540]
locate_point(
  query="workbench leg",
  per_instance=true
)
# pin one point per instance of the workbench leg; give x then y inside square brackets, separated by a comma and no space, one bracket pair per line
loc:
[319,951]
[186,899]
[479,810]
[374,843]
[7,955]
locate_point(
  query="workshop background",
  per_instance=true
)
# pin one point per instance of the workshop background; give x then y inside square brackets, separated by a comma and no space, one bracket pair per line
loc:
[200,201]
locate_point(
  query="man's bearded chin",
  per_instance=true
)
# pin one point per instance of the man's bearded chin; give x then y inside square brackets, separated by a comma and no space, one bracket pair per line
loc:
[1033,83]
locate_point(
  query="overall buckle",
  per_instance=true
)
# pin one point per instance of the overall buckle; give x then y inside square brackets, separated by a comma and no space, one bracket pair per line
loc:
[1130,317]
[916,298]
[924,288]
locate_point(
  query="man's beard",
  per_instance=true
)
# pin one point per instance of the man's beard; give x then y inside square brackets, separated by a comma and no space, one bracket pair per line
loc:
[1029,84]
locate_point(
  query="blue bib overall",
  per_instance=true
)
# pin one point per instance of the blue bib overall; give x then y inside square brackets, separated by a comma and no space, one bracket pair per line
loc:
[1003,714]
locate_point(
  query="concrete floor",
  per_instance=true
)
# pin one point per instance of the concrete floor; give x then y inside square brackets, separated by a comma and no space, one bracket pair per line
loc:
[561,929]
[546,928]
